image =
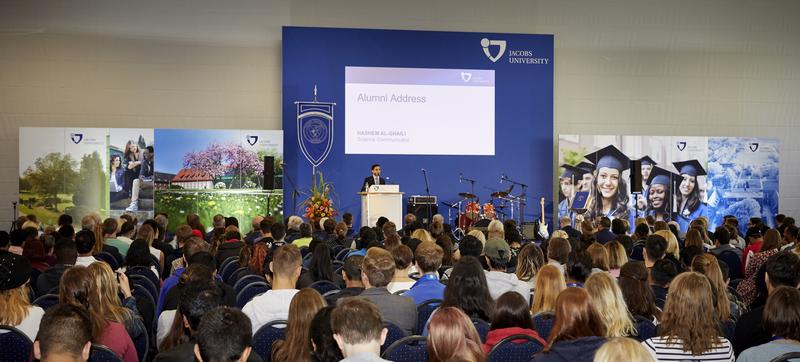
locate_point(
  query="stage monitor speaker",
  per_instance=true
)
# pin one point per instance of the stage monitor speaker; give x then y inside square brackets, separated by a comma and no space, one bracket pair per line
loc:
[269,173]
[421,211]
[529,230]
[636,176]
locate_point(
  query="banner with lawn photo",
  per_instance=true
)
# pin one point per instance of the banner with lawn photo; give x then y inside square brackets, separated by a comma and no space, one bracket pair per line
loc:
[112,171]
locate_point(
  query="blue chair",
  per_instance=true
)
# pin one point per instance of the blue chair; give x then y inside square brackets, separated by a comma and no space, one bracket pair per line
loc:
[145,283]
[101,353]
[142,344]
[304,250]
[394,333]
[228,267]
[227,261]
[482,327]
[408,349]
[645,328]
[145,304]
[17,346]
[342,254]
[323,286]
[247,279]
[510,350]
[543,323]
[249,292]
[145,272]
[424,311]
[108,259]
[46,301]
[240,273]
[266,336]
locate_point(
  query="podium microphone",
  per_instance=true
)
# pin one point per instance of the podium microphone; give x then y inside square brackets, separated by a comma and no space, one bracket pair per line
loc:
[423,170]
[502,177]
[460,177]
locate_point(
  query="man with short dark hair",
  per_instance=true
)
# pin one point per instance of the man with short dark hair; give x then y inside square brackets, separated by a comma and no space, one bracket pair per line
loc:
[358,330]
[722,242]
[654,249]
[278,232]
[264,227]
[66,253]
[782,269]
[64,219]
[374,179]
[497,254]
[661,274]
[789,237]
[351,274]
[605,235]
[110,226]
[377,271]
[274,304]
[566,225]
[347,219]
[84,242]
[428,260]
[223,336]
[65,334]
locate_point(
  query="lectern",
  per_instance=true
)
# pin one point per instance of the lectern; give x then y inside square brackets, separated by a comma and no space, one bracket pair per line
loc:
[382,200]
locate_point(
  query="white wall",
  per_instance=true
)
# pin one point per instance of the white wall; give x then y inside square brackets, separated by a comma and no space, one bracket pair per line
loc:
[723,67]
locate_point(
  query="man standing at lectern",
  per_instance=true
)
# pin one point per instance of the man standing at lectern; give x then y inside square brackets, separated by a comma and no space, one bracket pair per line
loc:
[374,179]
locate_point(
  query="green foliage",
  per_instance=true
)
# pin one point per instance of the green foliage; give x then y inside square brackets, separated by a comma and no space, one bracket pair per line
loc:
[24,184]
[92,185]
[207,203]
[52,174]
[572,157]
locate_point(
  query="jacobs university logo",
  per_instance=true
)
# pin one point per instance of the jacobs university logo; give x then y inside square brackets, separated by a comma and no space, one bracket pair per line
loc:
[76,137]
[251,140]
[753,146]
[486,43]
[681,145]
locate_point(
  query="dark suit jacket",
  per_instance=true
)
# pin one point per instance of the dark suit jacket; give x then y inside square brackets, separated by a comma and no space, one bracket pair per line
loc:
[369,180]
[572,232]
[399,310]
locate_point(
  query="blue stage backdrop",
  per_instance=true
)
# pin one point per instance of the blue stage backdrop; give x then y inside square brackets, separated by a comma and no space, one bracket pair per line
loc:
[453,140]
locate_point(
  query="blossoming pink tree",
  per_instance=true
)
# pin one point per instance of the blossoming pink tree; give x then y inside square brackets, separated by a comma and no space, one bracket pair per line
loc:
[227,159]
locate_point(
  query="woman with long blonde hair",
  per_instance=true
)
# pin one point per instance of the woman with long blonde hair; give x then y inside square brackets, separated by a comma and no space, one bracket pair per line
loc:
[110,307]
[479,235]
[617,257]
[549,283]
[623,349]
[610,304]
[672,243]
[297,344]
[422,235]
[529,261]
[689,328]
[15,304]
[708,265]
[452,337]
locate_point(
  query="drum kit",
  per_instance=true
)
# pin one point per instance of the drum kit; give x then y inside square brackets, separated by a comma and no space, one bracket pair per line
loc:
[470,213]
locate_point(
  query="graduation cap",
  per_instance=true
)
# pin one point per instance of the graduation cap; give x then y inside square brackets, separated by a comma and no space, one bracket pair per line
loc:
[691,168]
[587,167]
[572,172]
[646,160]
[610,157]
[660,176]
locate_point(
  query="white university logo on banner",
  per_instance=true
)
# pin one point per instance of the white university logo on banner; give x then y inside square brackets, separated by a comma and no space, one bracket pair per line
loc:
[486,43]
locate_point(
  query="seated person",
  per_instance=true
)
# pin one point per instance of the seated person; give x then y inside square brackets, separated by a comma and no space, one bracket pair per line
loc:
[661,275]
[428,259]
[351,273]
[358,330]
[497,254]
[274,304]
[377,272]
[223,335]
[145,179]
[65,334]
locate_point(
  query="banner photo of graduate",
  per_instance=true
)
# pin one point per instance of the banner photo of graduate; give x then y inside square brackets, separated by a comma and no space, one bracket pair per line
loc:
[62,170]
[673,182]
[210,172]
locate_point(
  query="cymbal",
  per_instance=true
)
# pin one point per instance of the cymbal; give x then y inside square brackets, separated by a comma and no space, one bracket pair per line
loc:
[452,206]
[467,195]
[499,194]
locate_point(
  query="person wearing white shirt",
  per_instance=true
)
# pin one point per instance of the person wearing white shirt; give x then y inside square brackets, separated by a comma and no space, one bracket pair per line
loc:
[84,242]
[274,304]
[498,254]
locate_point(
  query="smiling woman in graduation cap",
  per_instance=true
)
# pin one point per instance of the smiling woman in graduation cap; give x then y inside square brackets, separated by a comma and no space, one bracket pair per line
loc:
[611,199]
[659,193]
[690,205]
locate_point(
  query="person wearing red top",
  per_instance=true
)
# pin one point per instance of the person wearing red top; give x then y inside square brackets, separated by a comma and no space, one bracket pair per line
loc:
[754,241]
[511,316]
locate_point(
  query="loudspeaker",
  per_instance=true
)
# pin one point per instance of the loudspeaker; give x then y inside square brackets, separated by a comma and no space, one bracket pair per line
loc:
[636,176]
[269,173]
[421,211]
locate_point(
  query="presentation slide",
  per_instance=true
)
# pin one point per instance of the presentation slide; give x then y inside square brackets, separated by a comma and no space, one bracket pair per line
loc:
[415,111]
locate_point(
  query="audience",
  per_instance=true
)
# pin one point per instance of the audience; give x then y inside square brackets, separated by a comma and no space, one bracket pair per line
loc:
[320,267]
[274,304]
[529,261]
[302,309]
[578,268]
[688,328]
[558,250]
[578,330]
[223,335]
[358,329]
[351,274]
[497,254]
[770,246]
[15,303]
[707,265]
[84,243]
[109,286]
[403,260]
[636,292]
[623,349]
[323,346]
[452,337]
[377,271]
[65,334]
[782,321]
[427,260]
[549,283]
[511,316]
[607,299]
[197,300]
[467,290]
[66,254]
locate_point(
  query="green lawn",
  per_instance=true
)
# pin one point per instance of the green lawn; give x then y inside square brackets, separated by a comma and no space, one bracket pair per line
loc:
[44,215]
[243,204]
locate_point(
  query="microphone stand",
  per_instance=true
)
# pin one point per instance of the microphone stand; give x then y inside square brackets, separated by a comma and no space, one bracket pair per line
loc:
[471,186]
[521,198]
[428,193]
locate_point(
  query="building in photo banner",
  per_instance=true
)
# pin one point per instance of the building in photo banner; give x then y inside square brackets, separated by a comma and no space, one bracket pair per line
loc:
[131,157]
[210,172]
[62,171]
[743,179]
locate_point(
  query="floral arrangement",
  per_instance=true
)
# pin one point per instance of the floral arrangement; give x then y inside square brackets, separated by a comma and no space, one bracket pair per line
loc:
[319,204]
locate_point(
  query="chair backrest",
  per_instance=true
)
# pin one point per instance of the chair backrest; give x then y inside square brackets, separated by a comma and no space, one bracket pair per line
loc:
[342,254]
[146,283]
[101,353]
[408,349]
[786,357]
[249,292]
[17,346]
[240,273]
[323,286]
[46,301]
[394,333]
[247,279]
[304,250]
[516,347]
[482,327]
[228,267]
[227,261]
[266,336]
[645,328]
[108,259]
[543,323]
[142,344]
[145,304]
[145,272]
[424,311]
